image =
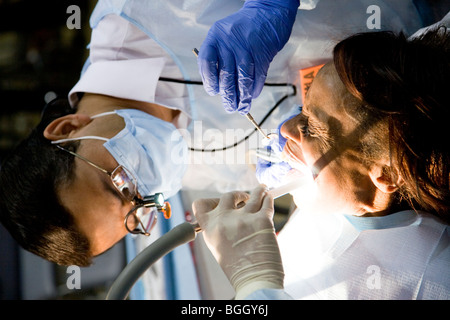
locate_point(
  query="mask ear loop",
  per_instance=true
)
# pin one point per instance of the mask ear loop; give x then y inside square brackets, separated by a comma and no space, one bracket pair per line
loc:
[107,113]
[88,137]
[79,138]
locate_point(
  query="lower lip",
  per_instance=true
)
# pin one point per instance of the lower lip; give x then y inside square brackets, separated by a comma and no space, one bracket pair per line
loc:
[290,155]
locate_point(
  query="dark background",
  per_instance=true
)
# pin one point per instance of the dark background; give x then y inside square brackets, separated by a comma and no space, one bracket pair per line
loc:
[39,58]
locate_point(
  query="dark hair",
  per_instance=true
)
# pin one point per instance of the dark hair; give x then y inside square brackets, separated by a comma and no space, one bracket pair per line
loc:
[406,81]
[29,205]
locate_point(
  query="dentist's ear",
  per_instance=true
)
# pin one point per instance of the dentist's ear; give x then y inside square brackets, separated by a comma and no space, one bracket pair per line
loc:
[62,127]
[385,178]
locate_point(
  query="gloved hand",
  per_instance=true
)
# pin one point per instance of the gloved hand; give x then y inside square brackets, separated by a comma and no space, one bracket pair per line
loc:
[270,173]
[235,56]
[238,230]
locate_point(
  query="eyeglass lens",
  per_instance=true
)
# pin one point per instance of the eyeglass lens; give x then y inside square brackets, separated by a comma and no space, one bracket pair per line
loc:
[142,220]
[124,181]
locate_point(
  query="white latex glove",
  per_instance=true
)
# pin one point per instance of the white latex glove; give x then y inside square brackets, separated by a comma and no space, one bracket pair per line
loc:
[238,229]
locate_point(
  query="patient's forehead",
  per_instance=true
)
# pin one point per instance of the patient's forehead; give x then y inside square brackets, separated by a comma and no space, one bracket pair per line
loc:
[330,101]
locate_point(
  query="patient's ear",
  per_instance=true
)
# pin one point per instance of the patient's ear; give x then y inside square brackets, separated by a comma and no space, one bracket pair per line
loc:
[61,128]
[385,178]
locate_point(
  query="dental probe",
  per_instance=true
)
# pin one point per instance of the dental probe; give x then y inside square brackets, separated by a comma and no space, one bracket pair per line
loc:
[248,115]
[250,118]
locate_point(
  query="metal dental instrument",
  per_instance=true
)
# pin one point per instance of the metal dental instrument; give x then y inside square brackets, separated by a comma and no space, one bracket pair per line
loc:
[248,115]
[250,118]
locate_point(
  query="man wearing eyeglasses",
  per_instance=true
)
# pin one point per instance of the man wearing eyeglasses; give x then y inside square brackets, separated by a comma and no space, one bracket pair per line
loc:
[111,156]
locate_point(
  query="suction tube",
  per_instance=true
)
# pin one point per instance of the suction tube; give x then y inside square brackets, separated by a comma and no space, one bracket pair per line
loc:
[181,234]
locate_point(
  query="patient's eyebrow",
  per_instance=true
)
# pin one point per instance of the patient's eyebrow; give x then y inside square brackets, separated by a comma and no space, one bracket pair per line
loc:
[316,117]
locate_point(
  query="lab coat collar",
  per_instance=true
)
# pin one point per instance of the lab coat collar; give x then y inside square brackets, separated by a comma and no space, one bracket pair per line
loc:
[395,220]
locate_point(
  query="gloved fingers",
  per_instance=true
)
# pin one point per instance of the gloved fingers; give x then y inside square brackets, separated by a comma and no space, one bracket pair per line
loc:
[256,198]
[259,78]
[268,206]
[202,207]
[227,80]
[208,67]
[245,80]
[262,164]
[271,174]
[233,200]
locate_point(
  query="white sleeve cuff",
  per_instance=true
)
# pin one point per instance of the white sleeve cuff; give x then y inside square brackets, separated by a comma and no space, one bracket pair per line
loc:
[247,289]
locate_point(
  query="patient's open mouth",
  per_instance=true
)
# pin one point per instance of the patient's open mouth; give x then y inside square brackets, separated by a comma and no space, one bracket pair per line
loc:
[290,155]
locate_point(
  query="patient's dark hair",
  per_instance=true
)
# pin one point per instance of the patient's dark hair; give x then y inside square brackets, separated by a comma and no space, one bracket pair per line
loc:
[406,81]
[29,205]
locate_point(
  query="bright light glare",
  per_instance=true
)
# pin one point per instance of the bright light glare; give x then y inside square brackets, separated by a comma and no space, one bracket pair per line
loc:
[159,200]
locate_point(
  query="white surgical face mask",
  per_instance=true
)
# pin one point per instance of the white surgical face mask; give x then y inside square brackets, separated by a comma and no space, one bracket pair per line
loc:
[153,150]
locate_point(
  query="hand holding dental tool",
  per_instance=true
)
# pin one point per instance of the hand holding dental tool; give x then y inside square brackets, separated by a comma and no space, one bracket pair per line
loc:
[271,169]
[239,231]
[236,54]
[245,278]
[248,115]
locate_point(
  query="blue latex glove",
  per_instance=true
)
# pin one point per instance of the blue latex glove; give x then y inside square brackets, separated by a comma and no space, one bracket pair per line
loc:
[271,173]
[235,56]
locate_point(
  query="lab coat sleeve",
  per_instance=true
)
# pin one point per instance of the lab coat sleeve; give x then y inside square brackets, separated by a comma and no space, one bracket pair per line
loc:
[268,294]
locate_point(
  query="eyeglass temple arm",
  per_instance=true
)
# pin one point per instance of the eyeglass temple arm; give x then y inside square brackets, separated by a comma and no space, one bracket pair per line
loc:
[84,159]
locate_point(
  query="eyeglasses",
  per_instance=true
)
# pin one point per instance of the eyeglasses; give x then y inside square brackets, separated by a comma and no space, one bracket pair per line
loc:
[142,218]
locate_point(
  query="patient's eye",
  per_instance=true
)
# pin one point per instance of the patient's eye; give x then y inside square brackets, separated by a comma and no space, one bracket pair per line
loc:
[305,128]
[311,127]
